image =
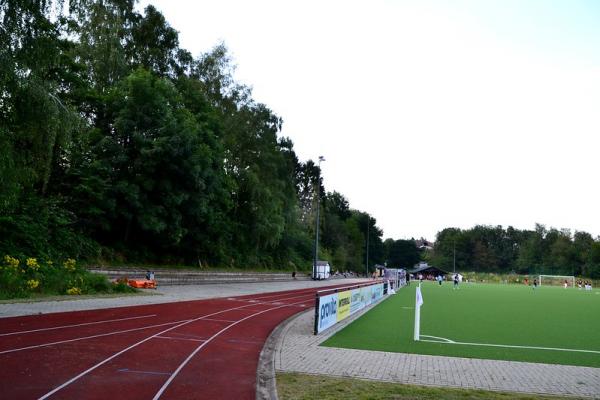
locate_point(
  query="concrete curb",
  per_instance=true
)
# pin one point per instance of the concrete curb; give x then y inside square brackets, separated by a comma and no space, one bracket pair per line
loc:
[266,382]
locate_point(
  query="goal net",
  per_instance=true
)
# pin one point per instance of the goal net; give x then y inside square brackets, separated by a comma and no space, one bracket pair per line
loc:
[557,280]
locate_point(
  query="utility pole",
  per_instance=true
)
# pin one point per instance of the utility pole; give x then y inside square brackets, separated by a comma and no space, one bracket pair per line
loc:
[367,258]
[316,258]
[454,257]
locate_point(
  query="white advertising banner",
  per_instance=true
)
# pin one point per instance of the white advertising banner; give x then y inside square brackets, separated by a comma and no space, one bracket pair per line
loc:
[327,311]
[364,297]
[376,293]
[356,302]
[338,306]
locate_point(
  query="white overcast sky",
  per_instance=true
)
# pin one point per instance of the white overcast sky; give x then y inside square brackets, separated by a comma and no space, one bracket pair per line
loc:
[430,114]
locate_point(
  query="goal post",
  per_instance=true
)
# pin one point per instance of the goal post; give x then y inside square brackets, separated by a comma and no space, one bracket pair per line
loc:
[556,280]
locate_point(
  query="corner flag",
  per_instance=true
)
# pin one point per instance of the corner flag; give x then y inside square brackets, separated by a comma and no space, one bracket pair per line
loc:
[419,300]
[418,304]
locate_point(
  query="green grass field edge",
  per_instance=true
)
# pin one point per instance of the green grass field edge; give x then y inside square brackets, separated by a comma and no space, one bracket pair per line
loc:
[296,386]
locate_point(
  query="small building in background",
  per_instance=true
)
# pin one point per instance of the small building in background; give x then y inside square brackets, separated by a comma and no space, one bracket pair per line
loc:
[322,270]
[423,244]
[428,271]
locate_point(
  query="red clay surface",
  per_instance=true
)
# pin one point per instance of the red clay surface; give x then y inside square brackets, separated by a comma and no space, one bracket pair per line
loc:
[205,349]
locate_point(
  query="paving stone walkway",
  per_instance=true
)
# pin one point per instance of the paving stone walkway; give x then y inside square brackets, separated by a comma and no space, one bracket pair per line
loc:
[298,350]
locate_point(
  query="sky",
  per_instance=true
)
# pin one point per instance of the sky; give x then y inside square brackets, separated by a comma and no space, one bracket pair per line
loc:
[430,114]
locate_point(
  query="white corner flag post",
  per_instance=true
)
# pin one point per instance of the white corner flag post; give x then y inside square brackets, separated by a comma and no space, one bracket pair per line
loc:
[418,304]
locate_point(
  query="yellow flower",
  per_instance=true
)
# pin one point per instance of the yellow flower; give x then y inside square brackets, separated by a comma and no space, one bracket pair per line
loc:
[69,264]
[33,264]
[74,291]
[33,284]
[11,262]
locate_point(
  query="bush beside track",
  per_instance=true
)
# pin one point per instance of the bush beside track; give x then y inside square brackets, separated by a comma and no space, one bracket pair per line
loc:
[30,277]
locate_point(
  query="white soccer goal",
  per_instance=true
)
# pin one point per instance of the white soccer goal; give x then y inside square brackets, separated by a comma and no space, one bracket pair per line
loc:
[556,280]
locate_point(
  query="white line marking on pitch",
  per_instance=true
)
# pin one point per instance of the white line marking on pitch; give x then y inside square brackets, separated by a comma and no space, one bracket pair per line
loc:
[87,371]
[448,341]
[74,325]
[443,340]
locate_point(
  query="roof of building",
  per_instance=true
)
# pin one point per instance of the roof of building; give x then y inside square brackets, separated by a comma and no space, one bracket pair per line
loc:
[424,244]
[424,267]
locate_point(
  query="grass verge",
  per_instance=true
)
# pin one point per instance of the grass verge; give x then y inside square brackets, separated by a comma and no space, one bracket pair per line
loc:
[292,386]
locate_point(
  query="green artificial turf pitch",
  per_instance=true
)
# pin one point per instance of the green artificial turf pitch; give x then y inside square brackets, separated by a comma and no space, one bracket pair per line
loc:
[516,315]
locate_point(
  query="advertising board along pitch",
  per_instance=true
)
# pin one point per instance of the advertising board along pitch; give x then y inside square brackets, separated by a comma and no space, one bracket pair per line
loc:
[340,303]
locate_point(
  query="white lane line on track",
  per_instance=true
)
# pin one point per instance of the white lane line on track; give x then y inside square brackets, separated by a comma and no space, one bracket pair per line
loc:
[116,332]
[90,337]
[180,338]
[217,320]
[270,296]
[143,372]
[186,335]
[308,291]
[87,371]
[75,325]
[184,363]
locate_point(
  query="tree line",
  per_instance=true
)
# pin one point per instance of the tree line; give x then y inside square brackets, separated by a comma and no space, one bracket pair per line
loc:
[496,249]
[118,144]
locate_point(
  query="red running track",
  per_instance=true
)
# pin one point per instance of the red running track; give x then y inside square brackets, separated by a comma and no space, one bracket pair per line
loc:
[205,349]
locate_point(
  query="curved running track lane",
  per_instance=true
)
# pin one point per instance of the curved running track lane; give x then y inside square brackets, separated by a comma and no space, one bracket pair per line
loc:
[205,349]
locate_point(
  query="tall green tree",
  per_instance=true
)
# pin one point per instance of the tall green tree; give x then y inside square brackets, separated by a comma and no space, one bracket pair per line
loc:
[402,254]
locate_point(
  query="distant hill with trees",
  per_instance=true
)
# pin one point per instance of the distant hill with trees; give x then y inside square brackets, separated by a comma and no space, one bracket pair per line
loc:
[539,251]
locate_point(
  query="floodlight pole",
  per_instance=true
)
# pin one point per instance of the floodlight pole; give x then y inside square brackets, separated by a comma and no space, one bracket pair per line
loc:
[321,158]
[367,257]
[454,256]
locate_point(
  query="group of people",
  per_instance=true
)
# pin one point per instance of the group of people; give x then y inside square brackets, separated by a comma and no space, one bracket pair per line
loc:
[587,285]
[534,284]
[580,284]
[439,278]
